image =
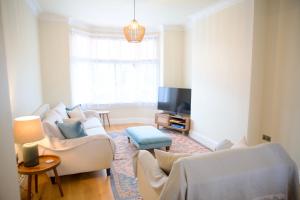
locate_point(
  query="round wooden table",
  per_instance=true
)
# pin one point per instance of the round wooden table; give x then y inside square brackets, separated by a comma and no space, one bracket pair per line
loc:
[41,168]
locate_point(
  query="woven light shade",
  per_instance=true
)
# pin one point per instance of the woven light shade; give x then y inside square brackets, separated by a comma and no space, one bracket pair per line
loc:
[134,32]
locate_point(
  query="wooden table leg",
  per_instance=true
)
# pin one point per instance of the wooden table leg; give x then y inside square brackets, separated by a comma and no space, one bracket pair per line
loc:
[103,120]
[29,187]
[36,183]
[108,119]
[58,182]
[52,179]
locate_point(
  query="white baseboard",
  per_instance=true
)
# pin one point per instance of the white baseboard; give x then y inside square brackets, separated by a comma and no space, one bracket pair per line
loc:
[208,142]
[132,120]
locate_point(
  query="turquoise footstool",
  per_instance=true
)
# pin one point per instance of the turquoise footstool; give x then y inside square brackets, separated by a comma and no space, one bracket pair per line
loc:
[148,137]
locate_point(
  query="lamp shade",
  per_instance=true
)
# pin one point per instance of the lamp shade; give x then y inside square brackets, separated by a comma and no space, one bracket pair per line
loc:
[28,129]
[134,32]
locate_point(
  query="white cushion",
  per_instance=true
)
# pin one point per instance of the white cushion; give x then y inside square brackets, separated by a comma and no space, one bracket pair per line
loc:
[52,116]
[92,122]
[50,128]
[224,144]
[88,123]
[61,110]
[166,159]
[67,120]
[96,131]
[77,113]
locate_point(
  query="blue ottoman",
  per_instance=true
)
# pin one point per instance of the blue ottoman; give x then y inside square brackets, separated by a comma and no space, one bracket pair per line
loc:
[148,137]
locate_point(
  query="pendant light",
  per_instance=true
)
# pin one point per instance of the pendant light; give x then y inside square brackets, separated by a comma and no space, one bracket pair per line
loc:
[134,32]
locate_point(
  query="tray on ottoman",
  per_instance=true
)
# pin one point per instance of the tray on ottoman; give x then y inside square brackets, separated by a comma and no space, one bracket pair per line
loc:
[148,137]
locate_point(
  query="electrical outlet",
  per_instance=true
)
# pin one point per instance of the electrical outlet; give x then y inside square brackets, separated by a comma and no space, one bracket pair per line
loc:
[266,138]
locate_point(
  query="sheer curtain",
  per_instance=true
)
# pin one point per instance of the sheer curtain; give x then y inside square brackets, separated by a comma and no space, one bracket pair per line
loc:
[109,70]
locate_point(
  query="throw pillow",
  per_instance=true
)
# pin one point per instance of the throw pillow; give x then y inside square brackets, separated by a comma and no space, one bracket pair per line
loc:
[61,110]
[166,159]
[243,143]
[224,144]
[71,129]
[72,108]
[50,128]
[77,113]
[70,120]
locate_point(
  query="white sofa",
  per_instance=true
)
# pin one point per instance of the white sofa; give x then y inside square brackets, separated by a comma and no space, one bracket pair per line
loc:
[263,172]
[84,154]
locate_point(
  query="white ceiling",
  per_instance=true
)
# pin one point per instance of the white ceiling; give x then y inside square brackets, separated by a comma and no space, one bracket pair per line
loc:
[117,13]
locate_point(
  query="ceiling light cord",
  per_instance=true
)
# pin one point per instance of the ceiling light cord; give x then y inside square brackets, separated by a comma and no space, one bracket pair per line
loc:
[134,9]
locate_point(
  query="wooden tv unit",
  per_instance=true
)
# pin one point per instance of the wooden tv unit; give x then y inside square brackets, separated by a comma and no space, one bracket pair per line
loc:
[175,122]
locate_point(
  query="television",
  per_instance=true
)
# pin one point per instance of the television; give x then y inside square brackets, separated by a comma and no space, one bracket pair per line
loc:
[174,100]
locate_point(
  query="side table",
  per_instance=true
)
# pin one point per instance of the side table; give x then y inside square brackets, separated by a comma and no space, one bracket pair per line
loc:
[102,115]
[41,168]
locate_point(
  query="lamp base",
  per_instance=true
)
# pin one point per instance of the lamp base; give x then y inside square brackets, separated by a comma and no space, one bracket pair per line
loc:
[30,155]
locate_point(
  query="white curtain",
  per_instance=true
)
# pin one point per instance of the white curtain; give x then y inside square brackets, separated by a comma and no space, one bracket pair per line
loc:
[109,70]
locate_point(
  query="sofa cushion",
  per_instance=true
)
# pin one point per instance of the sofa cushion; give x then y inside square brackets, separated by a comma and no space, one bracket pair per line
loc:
[96,131]
[87,123]
[224,144]
[52,116]
[67,120]
[92,122]
[61,110]
[50,128]
[166,159]
[77,113]
[71,129]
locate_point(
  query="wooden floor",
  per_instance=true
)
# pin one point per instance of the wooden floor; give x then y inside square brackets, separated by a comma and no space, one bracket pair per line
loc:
[85,186]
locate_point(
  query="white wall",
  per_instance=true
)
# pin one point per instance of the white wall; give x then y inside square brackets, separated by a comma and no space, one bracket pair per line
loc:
[221,71]
[9,188]
[55,60]
[281,102]
[22,55]
[172,56]
[245,73]
[259,52]
[189,48]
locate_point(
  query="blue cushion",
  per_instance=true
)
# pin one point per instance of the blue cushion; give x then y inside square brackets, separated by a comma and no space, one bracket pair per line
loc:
[71,129]
[147,137]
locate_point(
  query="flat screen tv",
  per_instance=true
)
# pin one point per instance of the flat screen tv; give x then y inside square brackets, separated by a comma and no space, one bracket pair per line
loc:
[174,100]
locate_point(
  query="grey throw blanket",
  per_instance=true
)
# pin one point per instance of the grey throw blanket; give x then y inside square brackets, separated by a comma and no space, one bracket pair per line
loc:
[263,172]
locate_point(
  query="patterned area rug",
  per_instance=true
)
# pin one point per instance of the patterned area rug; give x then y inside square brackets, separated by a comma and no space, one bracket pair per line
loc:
[123,182]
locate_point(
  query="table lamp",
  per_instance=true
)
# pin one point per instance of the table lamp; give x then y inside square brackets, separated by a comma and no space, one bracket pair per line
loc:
[28,129]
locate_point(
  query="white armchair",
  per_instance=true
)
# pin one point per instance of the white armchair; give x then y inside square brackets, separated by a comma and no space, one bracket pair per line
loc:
[84,154]
[261,172]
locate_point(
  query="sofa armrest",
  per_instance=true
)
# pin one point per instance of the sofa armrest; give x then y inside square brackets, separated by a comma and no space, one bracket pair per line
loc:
[151,179]
[56,144]
[84,154]
[91,113]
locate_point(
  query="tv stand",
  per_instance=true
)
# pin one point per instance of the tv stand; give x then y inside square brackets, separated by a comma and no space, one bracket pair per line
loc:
[175,122]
